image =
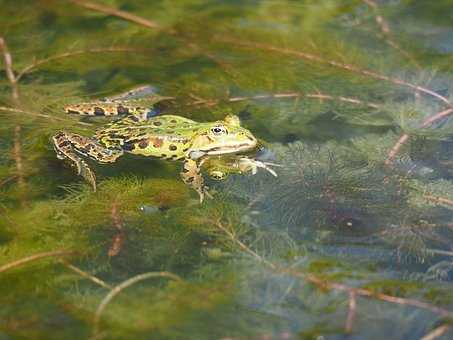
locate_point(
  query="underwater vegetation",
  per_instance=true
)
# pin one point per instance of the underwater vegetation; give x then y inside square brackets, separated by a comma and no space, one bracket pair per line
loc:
[353,239]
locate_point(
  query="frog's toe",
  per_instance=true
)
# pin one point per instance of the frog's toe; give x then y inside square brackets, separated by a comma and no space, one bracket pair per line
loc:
[88,174]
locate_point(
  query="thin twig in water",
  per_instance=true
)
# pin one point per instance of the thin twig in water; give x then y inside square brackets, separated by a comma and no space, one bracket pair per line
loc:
[117,13]
[118,238]
[42,115]
[38,63]
[117,289]
[6,180]
[440,252]
[334,63]
[435,333]
[320,96]
[86,275]
[8,62]
[386,33]
[17,263]
[352,311]
[405,137]
[438,200]
[322,283]
[244,247]
[17,149]
[17,155]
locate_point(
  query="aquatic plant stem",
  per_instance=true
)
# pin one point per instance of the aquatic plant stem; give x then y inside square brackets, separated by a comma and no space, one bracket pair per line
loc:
[438,200]
[333,63]
[439,252]
[8,62]
[324,284]
[42,115]
[17,148]
[117,13]
[351,312]
[38,63]
[86,275]
[117,289]
[244,247]
[437,332]
[405,137]
[31,258]
[17,155]
[386,33]
[320,96]
[118,238]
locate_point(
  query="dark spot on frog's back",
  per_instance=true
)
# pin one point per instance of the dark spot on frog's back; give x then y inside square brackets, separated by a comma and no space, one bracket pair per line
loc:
[143,144]
[98,111]
[157,123]
[173,147]
[63,143]
[121,110]
[128,146]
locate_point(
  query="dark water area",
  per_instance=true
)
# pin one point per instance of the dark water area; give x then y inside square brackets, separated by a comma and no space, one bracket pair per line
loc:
[351,104]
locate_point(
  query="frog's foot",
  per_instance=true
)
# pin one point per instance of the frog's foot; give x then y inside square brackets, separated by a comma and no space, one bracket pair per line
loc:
[248,164]
[70,146]
[191,176]
[134,93]
[64,150]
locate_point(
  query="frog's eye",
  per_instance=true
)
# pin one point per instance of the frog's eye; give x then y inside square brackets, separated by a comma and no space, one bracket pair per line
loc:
[219,130]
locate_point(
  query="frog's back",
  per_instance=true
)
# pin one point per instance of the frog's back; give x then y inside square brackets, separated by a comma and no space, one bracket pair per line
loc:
[166,136]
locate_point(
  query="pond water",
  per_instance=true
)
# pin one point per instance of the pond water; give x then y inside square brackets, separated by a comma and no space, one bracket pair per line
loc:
[353,240]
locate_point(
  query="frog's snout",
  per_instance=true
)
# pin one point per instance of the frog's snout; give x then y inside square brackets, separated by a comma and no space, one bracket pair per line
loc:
[251,138]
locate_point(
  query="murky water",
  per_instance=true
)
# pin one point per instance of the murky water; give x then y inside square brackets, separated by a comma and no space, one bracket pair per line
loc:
[351,240]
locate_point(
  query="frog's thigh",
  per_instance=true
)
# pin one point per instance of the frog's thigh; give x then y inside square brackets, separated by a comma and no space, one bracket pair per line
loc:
[65,150]
[191,176]
[91,148]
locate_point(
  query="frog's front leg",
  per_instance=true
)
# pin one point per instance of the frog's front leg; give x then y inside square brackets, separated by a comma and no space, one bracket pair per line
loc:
[219,168]
[246,164]
[191,176]
[70,146]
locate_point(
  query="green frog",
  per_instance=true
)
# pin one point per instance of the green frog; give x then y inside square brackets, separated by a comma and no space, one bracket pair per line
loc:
[169,137]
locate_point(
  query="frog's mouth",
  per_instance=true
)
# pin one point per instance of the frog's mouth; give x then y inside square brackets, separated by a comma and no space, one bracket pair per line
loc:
[222,149]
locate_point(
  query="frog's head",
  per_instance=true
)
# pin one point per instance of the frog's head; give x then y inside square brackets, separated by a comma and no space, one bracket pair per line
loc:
[222,137]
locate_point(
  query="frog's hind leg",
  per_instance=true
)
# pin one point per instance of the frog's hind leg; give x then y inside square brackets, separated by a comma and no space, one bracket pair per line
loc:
[71,146]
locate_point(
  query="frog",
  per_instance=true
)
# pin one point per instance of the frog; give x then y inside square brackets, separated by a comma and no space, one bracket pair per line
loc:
[141,131]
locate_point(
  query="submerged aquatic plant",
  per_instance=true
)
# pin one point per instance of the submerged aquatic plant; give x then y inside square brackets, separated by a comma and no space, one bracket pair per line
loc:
[354,236]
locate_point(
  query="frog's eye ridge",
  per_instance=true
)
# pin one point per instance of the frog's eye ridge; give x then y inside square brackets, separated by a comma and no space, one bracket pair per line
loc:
[219,130]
